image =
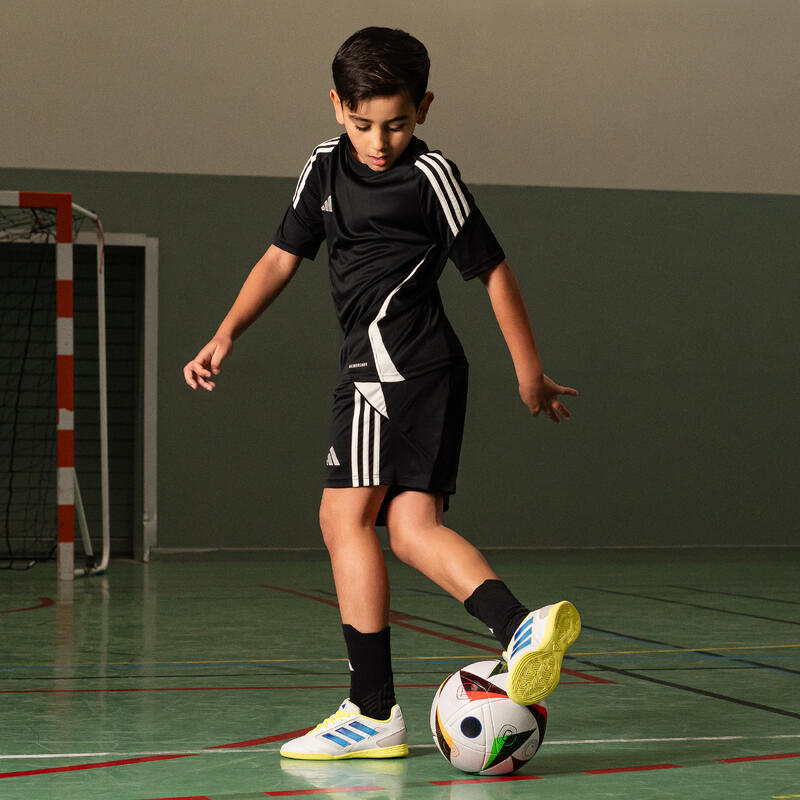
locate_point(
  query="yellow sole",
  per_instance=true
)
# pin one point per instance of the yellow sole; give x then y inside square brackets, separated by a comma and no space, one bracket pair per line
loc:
[396,751]
[535,674]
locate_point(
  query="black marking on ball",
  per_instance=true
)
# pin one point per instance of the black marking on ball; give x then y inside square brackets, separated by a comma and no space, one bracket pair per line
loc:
[471,727]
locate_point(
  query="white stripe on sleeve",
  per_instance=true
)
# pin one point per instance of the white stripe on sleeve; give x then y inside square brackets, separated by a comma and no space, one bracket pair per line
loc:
[325,147]
[452,182]
[454,228]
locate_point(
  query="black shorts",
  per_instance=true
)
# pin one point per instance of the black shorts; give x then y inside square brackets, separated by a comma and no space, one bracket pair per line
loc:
[405,435]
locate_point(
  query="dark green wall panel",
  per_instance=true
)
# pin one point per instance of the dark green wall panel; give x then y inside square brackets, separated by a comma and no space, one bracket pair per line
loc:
[673,313]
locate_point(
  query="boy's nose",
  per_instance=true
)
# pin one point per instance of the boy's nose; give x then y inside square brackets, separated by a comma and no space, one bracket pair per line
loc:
[380,142]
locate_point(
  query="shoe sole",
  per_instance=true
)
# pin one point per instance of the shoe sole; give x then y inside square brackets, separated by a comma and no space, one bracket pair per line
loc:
[396,751]
[534,675]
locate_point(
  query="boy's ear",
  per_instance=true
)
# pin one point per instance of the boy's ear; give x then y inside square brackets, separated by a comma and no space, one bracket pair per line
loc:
[337,106]
[424,105]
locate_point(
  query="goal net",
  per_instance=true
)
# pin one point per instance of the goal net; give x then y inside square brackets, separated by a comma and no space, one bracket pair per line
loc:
[40,498]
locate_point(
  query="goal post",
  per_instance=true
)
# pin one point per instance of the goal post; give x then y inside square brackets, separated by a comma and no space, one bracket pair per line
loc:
[49,217]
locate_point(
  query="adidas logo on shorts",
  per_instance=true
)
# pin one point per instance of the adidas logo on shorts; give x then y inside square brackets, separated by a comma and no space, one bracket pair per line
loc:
[332,460]
[328,204]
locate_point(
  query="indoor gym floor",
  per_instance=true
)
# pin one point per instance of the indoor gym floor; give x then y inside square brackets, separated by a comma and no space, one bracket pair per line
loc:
[181,678]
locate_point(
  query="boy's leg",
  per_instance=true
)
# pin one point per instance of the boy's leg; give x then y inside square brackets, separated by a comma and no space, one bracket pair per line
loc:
[369,724]
[347,520]
[535,640]
[419,538]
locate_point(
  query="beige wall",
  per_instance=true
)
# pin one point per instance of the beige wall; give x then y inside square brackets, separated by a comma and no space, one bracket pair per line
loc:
[652,94]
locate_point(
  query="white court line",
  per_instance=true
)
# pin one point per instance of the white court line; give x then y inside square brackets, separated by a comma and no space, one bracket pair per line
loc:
[222,751]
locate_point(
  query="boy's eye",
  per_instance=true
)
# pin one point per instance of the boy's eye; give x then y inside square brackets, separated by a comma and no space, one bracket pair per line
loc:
[393,129]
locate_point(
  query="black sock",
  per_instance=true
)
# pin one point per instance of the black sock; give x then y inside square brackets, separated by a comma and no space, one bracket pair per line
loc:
[371,680]
[494,605]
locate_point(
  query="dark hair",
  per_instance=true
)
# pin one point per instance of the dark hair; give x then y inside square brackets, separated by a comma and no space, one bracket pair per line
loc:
[379,62]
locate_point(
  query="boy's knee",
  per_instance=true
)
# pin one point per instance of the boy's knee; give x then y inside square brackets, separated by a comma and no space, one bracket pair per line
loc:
[402,541]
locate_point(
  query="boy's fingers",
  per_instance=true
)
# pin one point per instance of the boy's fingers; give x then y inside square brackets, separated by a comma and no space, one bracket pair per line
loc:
[567,390]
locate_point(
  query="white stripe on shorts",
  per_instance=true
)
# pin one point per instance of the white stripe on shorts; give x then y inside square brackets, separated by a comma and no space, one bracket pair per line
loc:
[365,442]
[354,437]
[360,456]
[376,452]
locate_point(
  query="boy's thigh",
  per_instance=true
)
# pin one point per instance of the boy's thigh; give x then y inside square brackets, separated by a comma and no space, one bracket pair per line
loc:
[351,506]
[409,509]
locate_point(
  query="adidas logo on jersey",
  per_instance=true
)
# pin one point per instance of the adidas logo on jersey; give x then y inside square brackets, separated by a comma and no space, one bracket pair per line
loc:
[328,205]
[332,460]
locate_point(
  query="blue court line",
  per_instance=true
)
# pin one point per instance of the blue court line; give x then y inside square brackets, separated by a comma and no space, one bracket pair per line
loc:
[716,656]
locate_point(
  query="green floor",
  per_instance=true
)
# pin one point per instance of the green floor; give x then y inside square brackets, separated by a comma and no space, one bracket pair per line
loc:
[180,679]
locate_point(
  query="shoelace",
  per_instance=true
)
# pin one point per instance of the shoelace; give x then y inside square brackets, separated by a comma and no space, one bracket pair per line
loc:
[332,720]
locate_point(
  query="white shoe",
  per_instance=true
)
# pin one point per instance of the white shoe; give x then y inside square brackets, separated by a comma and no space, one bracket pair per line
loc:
[537,649]
[350,734]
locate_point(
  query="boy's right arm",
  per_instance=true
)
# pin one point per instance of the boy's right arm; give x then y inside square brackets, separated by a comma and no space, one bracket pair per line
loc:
[265,282]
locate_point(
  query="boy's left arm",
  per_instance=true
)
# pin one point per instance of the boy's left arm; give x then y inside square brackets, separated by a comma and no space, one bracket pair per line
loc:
[538,392]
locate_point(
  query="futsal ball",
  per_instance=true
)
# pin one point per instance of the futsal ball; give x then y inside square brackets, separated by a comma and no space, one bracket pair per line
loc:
[478,729]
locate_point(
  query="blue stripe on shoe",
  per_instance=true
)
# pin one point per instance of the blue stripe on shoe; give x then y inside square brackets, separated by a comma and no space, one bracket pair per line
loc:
[363,728]
[336,739]
[356,737]
[520,644]
[524,628]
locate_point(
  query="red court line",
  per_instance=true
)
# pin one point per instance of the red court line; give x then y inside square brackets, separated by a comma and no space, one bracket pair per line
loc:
[631,769]
[144,759]
[44,602]
[492,779]
[99,765]
[294,792]
[278,737]
[201,689]
[586,678]
[757,758]
[397,618]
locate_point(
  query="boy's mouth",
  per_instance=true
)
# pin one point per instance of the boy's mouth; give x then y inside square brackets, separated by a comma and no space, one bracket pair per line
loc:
[379,161]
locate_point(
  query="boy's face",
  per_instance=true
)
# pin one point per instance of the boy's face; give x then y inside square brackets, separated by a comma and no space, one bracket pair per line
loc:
[381,128]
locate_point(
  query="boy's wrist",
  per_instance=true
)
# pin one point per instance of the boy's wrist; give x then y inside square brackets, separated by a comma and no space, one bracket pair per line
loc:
[224,332]
[531,374]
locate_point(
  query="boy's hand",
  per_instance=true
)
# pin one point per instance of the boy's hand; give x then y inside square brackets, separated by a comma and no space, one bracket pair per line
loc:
[542,395]
[207,363]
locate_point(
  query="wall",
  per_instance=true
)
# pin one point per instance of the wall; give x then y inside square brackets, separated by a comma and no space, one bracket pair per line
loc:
[635,158]
[673,313]
[695,95]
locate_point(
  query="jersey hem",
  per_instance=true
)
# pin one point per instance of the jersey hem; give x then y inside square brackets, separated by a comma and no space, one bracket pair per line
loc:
[297,251]
[486,264]
[416,372]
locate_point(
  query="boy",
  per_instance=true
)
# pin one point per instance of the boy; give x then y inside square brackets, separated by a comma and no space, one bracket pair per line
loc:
[392,212]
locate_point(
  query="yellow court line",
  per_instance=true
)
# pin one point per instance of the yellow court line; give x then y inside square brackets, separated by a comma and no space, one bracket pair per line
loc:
[466,656]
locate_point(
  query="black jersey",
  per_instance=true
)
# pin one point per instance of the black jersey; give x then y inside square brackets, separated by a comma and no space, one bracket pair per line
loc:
[389,235]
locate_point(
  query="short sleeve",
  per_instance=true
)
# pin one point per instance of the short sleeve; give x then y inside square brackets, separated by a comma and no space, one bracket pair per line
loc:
[453,218]
[301,230]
